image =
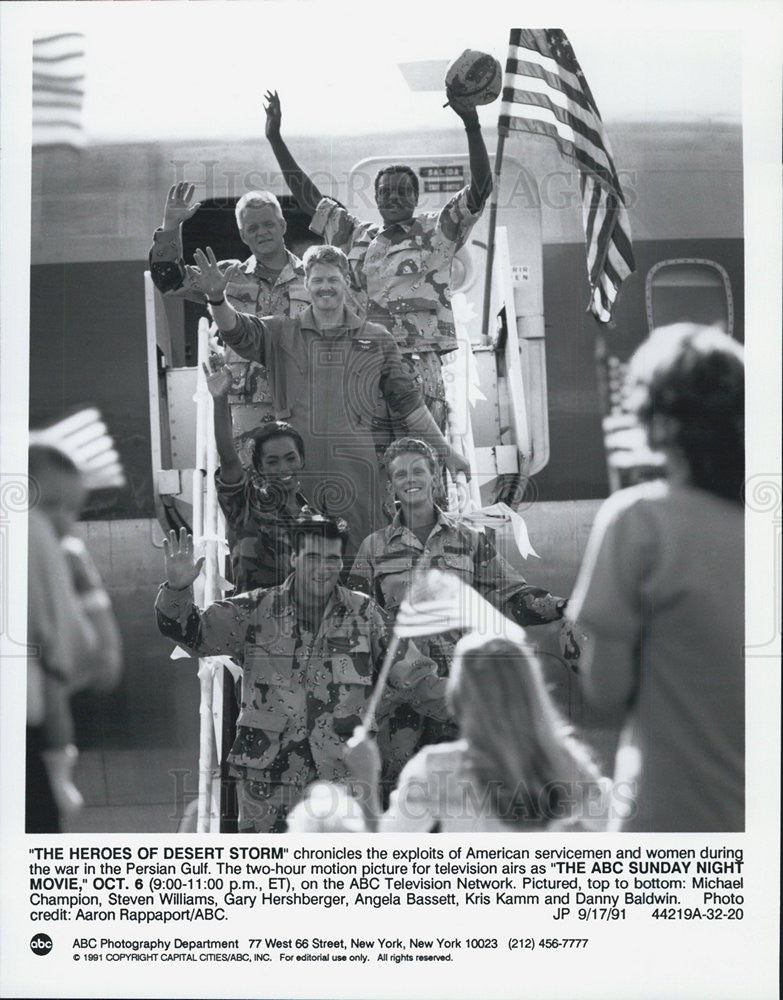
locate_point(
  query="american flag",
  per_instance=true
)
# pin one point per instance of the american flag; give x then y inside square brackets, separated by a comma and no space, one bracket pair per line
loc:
[545,91]
[85,440]
[58,89]
[441,602]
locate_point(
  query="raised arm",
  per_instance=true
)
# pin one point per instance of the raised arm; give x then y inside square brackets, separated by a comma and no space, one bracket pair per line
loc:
[411,805]
[241,331]
[166,256]
[219,384]
[409,412]
[608,673]
[302,188]
[480,171]
[179,207]
[420,424]
[611,601]
[221,629]
[505,587]
[364,762]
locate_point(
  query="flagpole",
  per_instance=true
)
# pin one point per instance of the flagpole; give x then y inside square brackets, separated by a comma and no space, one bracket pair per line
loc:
[493,216]
[369,713]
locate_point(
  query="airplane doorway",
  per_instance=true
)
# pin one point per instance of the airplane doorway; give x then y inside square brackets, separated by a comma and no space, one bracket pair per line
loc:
[214,225]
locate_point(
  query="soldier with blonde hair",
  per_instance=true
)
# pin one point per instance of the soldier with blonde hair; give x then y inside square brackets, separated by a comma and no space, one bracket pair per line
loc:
[268,283]
[661,591]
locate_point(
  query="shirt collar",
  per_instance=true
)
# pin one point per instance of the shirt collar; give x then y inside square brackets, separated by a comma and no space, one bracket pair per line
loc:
[264,498]
[398,526]
[279,512]
[292,268]
[406,225]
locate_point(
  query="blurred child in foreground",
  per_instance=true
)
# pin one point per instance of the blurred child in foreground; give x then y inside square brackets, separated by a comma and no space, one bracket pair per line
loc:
[72,634]
[661,591]
[517,766]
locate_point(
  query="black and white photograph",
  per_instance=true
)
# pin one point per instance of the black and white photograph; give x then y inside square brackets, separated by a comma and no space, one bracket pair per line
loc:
[390,447]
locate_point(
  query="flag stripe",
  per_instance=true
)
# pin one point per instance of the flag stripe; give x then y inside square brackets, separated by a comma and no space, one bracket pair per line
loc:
[58,47]
[39,103]
[553,43]
[528,77]
[536,124]
[527,63]
[585,143]
[49,39]
[599,225]
[545,92]
[65,122]
[601,215]
[529,91]
[600,210]
[58,89]
[52,88]
[45,78]
[38,58]
[575,127]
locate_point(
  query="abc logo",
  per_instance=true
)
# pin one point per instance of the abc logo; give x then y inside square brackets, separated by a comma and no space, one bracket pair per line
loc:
[41,944]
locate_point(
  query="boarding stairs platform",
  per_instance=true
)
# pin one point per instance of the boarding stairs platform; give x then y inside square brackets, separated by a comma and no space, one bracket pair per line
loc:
[497,397]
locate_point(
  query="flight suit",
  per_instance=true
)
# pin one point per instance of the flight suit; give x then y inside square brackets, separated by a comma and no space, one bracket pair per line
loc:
[404,273]
[338,390]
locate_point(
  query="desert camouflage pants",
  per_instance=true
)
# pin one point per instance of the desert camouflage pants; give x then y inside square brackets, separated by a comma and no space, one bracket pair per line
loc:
[264,798]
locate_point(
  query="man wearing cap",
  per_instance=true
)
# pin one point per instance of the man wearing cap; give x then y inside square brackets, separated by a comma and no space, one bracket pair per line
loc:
[310,652]
[402,269]
[335,378]
[269,283]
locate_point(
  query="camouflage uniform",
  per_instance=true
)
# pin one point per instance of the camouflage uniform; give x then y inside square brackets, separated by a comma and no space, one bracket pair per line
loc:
[258,532]
[384,568]
[250,289]
[303,690]
[404,274]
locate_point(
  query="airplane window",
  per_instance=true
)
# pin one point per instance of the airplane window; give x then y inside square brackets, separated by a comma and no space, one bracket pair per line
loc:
[689,289]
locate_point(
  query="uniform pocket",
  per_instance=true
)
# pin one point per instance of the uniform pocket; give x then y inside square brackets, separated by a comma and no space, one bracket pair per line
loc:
[393,579]
[460,563]
[298,301]
[264,719]
[404,260]
[269,667]
[352,666]
[357,283]
[353,672]
[258,737]
[345,671]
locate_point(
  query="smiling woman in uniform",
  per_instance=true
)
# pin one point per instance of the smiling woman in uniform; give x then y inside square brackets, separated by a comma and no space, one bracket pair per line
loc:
[423,537]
